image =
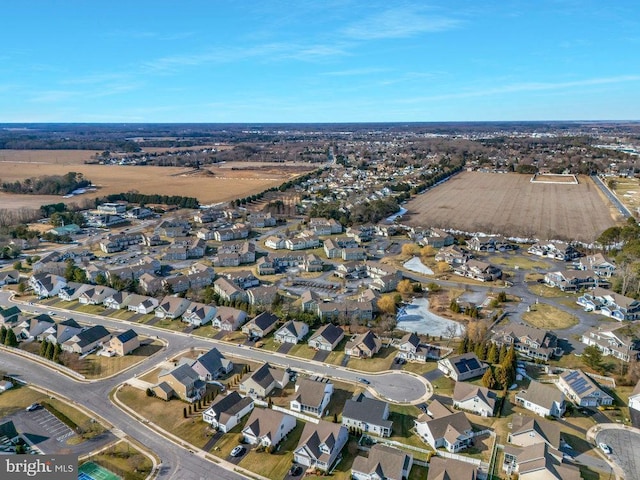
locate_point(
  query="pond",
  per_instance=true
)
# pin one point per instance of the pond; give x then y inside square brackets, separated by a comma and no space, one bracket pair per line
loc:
[416,317]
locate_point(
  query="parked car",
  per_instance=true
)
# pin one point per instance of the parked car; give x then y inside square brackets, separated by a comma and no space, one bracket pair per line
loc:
[295,470]
[605,448]
[363,380]
[238,451]
[33,406]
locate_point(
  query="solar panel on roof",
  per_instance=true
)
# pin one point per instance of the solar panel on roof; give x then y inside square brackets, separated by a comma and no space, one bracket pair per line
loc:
[472,364]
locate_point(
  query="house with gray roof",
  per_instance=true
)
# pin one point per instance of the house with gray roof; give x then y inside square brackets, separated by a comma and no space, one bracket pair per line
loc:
[364,345]
[264,380]
[529,341]
[226,411]
[582,390]
[46,284]
[527,431]
[211,365]
[172,307]
[291,332]
[142,304]
[10,315]
[367,415]
[9,276]
[326,337]
[261,325]
[474,399]
[383,462]
[542,399]
[267,428]
[449,469]
[87,340]
[228,318]
[462,367]
[621,342]
[538,461]
[312,396]
[95,295]
[198,314]
[320,444]
[182,382]
[441,428]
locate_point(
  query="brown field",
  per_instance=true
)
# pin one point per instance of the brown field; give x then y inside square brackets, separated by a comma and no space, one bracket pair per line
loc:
[215,184]
[510,204]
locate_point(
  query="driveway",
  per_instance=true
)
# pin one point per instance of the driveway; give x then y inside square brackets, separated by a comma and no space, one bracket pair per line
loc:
[285,347]
[321,355]
[625,449]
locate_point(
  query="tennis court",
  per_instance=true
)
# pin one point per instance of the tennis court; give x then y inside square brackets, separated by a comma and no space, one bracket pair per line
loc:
[91,471]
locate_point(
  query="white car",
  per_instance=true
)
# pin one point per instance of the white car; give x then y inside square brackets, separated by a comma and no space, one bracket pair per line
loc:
[605,448]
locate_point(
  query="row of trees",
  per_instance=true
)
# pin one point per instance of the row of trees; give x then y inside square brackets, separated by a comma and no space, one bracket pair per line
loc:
[51,351]
[8,337]
[48,185]
[142,199]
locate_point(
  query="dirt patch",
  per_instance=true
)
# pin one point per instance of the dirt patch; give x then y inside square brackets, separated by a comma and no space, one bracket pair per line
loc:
[510,204]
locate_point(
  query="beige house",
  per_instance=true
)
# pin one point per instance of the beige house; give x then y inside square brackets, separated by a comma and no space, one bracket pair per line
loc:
[124,343]
[365,345]
[182,382]
[264,380]
[266,427]
[383,462]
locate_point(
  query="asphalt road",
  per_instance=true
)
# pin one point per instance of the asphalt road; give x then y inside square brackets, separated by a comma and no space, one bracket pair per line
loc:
[625,449]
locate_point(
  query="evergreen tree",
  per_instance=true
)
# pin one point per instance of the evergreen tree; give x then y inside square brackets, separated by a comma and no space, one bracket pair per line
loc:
[492,354]
[488,380]
[57,350]
[43,348]
[502,353]
[11,340]
[3,334]
[481,351]
[50,349]
[464,344]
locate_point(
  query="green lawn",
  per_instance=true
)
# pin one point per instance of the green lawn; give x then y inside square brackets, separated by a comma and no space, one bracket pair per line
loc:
[122,314]
[302,350]
[513,260]
[173,325]
[419,367]
[343,469]
[95,366]
[207,331]
[443,386]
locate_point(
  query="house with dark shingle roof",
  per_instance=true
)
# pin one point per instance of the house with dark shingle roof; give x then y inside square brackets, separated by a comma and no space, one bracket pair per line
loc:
[441,428]
[261,325]
[326,337]
[527,431]
[291,332]
[462,367]
[87,340]
[367,415]
[383,462]
[125,343]
[226,411]
[365,345]
[264,380]
[183,382]
[450,469]
[172,307]
[320,444]
[198,314]
[211,365]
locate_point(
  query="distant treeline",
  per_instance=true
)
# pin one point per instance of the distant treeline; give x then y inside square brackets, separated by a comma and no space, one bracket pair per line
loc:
[47,185]
[139,198]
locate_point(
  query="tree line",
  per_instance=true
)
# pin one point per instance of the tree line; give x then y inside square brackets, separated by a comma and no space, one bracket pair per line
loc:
[48,184]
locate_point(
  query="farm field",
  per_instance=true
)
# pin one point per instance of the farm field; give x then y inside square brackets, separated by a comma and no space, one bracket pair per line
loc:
[212,184]
[511,205]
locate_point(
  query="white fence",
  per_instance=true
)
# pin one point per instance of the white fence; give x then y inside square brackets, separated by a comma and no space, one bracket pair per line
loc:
[299,415]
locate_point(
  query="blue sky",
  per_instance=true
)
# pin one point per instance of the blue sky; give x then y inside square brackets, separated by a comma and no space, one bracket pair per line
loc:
[319,61]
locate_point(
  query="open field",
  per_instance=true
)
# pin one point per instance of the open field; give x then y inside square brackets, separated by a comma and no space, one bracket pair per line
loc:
[549,317]
[511,205]
[210,185]
[628,192]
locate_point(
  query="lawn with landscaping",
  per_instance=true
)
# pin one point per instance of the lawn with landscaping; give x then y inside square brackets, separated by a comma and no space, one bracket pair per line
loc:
[549,317]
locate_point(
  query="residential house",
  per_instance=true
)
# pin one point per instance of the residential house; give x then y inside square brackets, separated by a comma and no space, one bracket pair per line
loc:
[242,278]
[143,305]
[610,304]
[267,428]
[434,237]
[474,399]
[347,309]
[176,284]
[172,307]
[150,283]
[96,295]
[598,264]
[364,345]
[263,295]
[320,445]
[478,270]
[326,337]
[367,415]
[529,341]
[32,328]
[61,331]
[312,395]
[8,277]
[441,468]
[410,348]
[226,411]
[124,343]
[462,367]
[620,342]
[211,365]
[261,220]
[527,431]
[198,314]
[441,428]
[634,398]
[542,399]
[538,461]
[582,390]
[383,462]
[574,280]
[291,332]
[229,291]
[264,380]
[261,325]
[46,284]
[453,255]
[229,319]
[556,250]
[87,340]
[9,316]
[182,382]
[118,300]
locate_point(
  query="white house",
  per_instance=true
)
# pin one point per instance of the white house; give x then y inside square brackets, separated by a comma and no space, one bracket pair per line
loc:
[291,332]
[312,395]
[474,399]
[266,427]
[226,411]
[542,399]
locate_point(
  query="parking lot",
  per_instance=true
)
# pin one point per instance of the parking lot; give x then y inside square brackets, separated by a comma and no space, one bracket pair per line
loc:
[42,429]
[625,449]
